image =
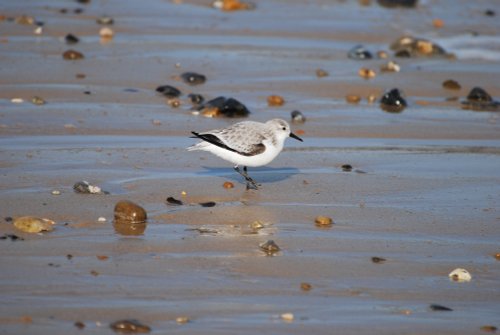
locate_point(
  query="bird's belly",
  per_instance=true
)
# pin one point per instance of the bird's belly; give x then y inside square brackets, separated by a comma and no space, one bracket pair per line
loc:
[252,161]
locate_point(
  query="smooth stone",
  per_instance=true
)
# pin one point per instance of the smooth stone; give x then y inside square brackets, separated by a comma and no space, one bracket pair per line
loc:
[168,91]
[193,78]
[129,326]
[359,53]
[392,101]
[129,212]
[32,224]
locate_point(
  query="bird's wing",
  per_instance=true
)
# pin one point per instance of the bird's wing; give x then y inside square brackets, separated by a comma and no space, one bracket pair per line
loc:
[242,142]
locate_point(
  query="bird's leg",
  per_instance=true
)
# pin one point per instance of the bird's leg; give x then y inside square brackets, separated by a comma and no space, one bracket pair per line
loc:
[251,184]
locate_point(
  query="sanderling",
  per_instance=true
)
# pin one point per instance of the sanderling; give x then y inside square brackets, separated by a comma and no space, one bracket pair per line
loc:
[246,143]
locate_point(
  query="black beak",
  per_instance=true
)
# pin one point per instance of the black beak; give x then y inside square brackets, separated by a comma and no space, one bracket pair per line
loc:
[296,137]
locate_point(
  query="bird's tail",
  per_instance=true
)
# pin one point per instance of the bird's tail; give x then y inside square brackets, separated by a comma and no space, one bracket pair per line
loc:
[197,146]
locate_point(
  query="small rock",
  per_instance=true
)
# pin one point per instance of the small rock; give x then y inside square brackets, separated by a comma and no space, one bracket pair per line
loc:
[207,204]
[275,100]
[460,275]
[451,84]
[193,78]
[102,257]
[489,329]
[269,247]
[129,326]
[37,101]
[438,23]
[55,192]
[106,32]
[84,187]
[391,66]
[221,106]
[408,46]
[173,201]
[174,102]
[168,91]
[79,325]
[156,122]
[182,320]
[305,287]
[80,76]
[196,99]
[129,212]
[479,100]
[101,219]
[378,260]
[105,20]
[346,167]
[38,30]
[359,53]
[12,237]
[72,55]
[32,224]
[17,100]
[440,308]
[352,98]
[228,185]
[298,117]
[288,317]
[371,98]
[489,12]
[25,20]
[320,73]
[232,5]
[256,225]
[71,39]
[366,73]
[382,54]
[497,256]
[392,101]
[397,3]
[323,221]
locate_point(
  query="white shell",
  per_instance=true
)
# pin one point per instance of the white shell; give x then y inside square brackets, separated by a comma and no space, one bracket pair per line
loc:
[460,275]
[287,317]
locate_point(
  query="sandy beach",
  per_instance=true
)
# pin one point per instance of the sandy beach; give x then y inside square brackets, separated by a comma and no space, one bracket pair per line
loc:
[422,197]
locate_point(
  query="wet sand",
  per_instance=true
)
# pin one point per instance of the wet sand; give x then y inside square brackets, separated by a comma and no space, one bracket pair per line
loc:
[423,193]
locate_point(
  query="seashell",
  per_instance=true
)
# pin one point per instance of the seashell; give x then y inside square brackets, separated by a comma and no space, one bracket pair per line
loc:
[37,101]
[182,320]
[460,275]
[85,187]
[359,53]
[323,221]
[391,66]
[32,224]
[288,317]
[269,247]
[106,32]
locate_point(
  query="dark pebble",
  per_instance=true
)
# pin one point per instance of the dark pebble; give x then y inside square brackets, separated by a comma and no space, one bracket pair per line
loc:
[397,3]
[378,259]
[78,10]
[8,219]
[489,12]
[130,326]
[298,117]
[173,201]
[83,1]
[193,78]
[451,84]
[440,308]
[393,102]
[72,55]
[479,100]
[69,256]
[71,39]
[359,53]
[207,204]
[346,167]
[269,247]
[168,91]
[196,99]
[227,107]
[79,325]
[105,20]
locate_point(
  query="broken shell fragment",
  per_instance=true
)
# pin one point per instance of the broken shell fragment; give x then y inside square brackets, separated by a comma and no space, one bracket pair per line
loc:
[182,320]
[323,221]
[130,326]
[298,117]
[460,275]
[391,66]
[85,187]
[37,101]
[32,224]
[269,247]
[288,317]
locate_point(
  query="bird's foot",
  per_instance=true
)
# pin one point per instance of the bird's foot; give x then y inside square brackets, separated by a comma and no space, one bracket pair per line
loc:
[252,185]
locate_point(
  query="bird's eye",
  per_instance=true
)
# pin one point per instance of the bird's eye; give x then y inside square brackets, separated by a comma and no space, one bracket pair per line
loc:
[284,128]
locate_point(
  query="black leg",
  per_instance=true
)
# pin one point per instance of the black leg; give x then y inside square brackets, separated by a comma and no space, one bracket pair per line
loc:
[251,184]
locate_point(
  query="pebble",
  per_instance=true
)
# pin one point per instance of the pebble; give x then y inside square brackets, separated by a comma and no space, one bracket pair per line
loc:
[79,325]
[38,30]
[323,221]
[391,66]
[182,320]
[366,73]
[232,5]
[25,20]
[156,122]
[479,100]
[106,32]
[193,78]
[105,20]
[353,98]
[440,308]
[101,219]
[451,84]
[377,260]
[460,275]
[228,185]
[346,167]
[227,107]
[72,55]
[438,23]
[32,224]
[298,117]
[489,329]
[408,46]
[17,100]
[392,101]
[12,237]
[129,212]
[287,317]
[371,98]
[37,101]
[497,256]
[55,192]
[173,201]
[71,39]
[397,3]
[320,73]
[359,53]
[168,91]
[382,54]
[129,326]
[84,187]
[275,100]
[208,204]
[305,287]
[256,225]
[174,102]
[489,12]
[269,247]
[196,99]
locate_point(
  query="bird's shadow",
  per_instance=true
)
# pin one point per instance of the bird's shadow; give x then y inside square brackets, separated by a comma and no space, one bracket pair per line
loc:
[260,175]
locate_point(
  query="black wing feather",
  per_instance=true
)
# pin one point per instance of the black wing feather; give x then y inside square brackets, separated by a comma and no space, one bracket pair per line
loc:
[214,140]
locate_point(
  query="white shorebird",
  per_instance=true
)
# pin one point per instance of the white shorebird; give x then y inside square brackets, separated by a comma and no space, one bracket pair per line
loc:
[246,143]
